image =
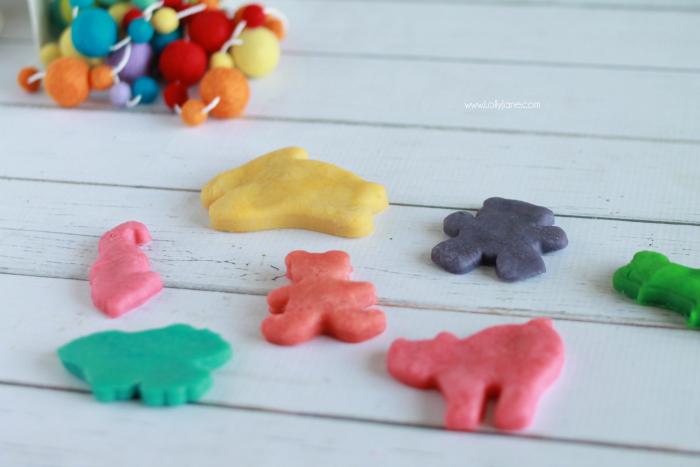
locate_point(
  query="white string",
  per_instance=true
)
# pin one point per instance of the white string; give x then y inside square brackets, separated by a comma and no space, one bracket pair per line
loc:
[148,12]
[120,44]
[191,11]
[75,12]
[234,40]
[277,14]
[177,109]
[125,59]
[36,77]
[211,105]
[133,102]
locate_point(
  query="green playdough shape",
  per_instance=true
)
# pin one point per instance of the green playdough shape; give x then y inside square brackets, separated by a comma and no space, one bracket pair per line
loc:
[167,366]
[652,279]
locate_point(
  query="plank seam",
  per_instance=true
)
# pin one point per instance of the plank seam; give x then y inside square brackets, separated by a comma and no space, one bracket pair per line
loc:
[409,205]
[402,126]
[422,426]
[491,311]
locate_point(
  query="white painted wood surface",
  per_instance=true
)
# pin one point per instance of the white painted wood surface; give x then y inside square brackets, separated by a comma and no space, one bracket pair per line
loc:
[614,151]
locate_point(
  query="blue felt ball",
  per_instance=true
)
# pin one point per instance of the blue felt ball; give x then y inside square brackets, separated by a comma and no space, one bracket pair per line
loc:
[147,88]
[81,3]
[143,4]
[160,41]
[93,32]
[140,31]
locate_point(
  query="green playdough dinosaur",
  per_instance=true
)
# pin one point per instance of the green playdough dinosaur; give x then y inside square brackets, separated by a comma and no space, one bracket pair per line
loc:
[652,279]
[168,366]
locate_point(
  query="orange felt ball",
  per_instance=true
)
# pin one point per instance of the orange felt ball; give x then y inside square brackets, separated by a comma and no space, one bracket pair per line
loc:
[231,86]
[211,4]
[67,81]
[23,77]
[101,78]
[192,113]
[276,26]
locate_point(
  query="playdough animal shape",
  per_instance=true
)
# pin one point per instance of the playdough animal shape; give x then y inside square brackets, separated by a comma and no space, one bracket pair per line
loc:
[321,300]
[285,190]
[652,279]
[517,362]
[511,234]
[121,278]
[167,366]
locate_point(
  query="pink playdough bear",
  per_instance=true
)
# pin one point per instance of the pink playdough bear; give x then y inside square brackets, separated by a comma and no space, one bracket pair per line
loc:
[121,278]
[321,300]
[516,362]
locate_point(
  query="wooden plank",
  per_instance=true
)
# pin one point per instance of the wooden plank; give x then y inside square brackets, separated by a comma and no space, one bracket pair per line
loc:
[580,177]
[585,103]
[614,388]
[58,429]
[52,230]
[526,34]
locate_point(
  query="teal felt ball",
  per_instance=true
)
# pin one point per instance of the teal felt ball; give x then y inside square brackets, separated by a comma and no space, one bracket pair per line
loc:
[147,88]
[140,31]
[93,32]
[82,3]
[143,4]
[159,41]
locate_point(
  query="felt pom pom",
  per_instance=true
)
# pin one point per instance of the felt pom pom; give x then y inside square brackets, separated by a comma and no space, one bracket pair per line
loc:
[165,20]
[258,54]
[101,78]
[48,53]
[139,62]
[94,31]
[143,4]
[254,16]
[130,16]
[140,31]
[183,61]
[228,84]
[210,29]
[23,77]
[120,94]
[175,94]
[81,3]
[220,60]
[160,41]
[67,82]
[276,26]
[211,4]
[192,112]
[147,88]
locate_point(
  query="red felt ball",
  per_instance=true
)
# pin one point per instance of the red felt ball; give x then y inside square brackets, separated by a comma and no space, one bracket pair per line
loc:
[254,16]
[172,3]
[175,94]
[183,61]
[210,29]
[130,16]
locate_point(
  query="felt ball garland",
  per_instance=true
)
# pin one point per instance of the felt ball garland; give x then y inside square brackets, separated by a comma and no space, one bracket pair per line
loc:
[112,46]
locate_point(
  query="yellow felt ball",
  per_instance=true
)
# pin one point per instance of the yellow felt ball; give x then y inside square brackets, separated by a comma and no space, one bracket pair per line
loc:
[165,20]
[221,60]
[258,54]
[48,53]
[65,45]
[66,11]
[117,12]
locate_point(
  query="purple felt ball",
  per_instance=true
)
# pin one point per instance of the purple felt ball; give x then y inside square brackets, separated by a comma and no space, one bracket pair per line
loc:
[120,94]
[139,62]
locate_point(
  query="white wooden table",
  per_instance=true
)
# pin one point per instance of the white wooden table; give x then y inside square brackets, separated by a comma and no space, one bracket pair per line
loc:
[378,88]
